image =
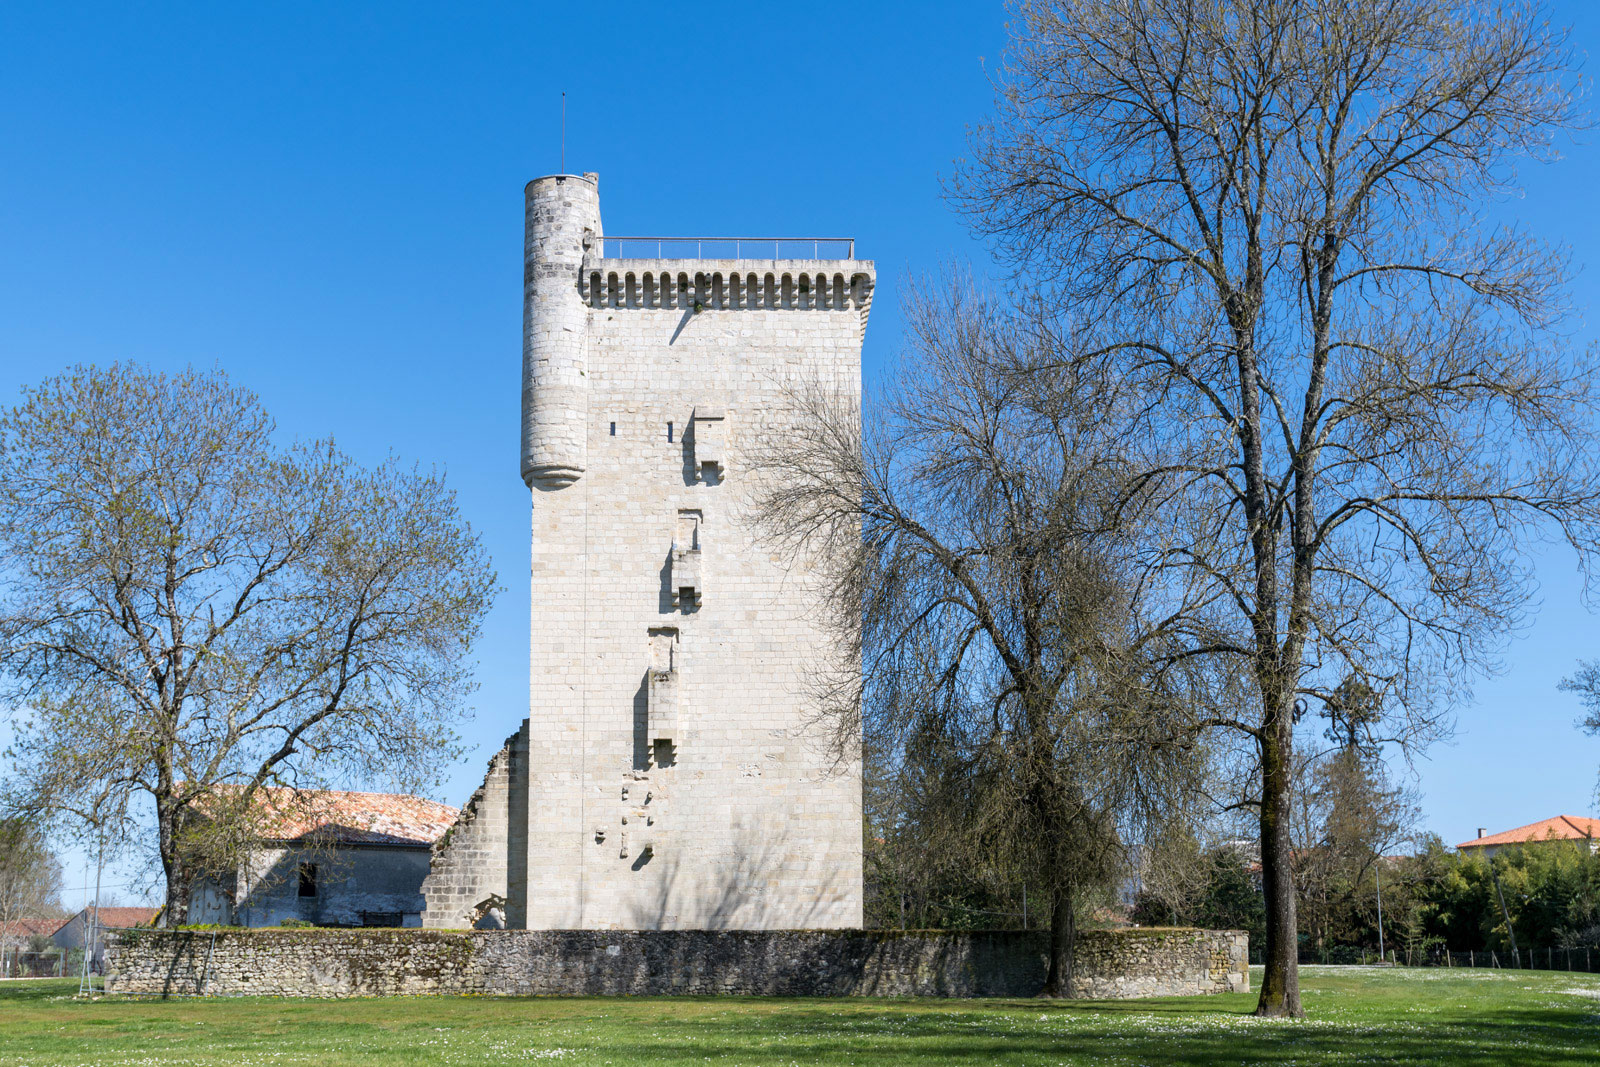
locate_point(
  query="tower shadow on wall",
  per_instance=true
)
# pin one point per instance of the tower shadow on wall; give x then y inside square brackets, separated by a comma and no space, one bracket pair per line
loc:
[724,903]
[688,313]
[641,724]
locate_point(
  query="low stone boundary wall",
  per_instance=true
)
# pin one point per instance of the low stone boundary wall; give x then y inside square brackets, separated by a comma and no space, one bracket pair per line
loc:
[344,963]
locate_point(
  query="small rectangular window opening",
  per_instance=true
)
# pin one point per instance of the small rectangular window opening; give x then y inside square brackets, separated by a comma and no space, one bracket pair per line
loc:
[613,429]
[669,431]
[308,879]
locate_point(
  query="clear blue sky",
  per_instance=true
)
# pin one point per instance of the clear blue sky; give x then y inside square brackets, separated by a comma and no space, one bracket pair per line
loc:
[326,199]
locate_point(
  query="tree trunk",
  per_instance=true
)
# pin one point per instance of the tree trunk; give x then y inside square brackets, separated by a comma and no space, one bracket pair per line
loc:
[1063,935]
[176,910]
[1280,985]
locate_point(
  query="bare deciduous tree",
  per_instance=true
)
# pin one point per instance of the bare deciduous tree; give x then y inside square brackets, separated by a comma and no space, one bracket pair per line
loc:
[30,881]
[1262,220]
[187,606]
[1585,681]
[978,535]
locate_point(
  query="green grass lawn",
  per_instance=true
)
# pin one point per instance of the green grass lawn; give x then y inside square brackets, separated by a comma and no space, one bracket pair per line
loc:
[1357,1015]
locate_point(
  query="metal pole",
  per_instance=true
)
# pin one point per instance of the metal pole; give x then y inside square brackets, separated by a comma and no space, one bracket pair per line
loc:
[1377,878]
[83,961]
[563,131]
[205,972]
[84,982]
[99,867]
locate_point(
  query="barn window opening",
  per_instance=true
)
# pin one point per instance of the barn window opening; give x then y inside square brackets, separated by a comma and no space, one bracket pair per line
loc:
[308,879]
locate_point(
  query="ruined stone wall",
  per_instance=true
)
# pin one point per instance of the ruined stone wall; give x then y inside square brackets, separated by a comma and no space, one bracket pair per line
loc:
[474,867]
[341,963]
[1159,961]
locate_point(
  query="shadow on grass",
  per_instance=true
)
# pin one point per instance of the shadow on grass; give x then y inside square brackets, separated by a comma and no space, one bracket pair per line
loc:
[1492,1025]
[1164,1033]
[35,991]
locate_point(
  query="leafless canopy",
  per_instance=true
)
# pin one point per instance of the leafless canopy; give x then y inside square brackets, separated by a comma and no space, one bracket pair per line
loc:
[1263,222]
[980,535]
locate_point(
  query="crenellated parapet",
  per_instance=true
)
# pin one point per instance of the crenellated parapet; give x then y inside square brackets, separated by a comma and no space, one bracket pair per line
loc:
[730,284]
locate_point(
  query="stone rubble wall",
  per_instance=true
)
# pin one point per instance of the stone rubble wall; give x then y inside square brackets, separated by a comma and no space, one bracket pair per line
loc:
[345,963]
[482,859]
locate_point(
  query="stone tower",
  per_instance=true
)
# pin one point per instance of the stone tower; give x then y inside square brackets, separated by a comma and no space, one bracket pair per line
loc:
[672,772]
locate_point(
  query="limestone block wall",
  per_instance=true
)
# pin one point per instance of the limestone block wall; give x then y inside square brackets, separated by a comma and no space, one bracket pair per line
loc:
[681,774]
[343,963]
[479,864]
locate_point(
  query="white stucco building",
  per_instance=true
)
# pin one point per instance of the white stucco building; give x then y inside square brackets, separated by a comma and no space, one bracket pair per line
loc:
[330,858]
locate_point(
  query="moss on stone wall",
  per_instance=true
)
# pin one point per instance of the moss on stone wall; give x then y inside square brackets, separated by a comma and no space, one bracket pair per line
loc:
[339,963]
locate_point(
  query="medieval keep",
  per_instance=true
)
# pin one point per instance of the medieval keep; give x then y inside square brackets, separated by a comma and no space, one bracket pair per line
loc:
[672,772]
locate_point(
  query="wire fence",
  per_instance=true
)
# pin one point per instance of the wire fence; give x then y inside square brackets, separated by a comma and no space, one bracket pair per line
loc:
[1549,958]
[46,963]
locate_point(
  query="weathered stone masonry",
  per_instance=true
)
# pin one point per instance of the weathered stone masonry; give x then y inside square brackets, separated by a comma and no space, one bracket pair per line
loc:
[674,772]
[343,963]
[480,864]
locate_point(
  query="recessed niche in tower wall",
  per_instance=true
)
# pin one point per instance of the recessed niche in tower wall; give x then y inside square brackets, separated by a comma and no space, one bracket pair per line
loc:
[709,438]
[687,558]
[662,701]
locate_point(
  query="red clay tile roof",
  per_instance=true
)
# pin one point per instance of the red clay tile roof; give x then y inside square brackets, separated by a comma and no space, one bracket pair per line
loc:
[351,818]
[1562,828]
[30,927]
[122,918]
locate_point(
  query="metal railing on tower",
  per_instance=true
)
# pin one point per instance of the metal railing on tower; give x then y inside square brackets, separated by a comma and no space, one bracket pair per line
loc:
[728,248]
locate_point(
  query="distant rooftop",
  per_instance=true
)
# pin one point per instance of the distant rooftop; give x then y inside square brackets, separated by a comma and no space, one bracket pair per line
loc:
[1560,828]
[351,818]
[118,918]
[22,928]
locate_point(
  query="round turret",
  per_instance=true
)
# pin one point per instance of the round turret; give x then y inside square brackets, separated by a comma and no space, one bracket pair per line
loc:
[562,225]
